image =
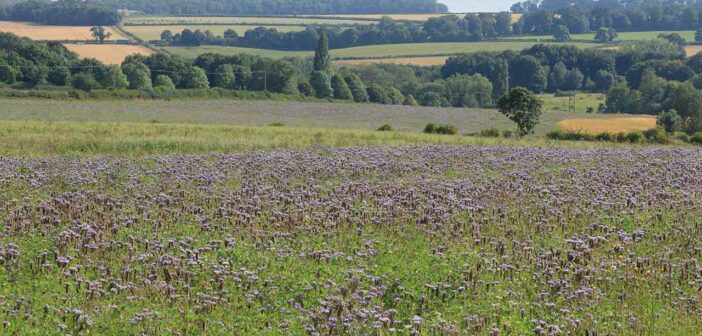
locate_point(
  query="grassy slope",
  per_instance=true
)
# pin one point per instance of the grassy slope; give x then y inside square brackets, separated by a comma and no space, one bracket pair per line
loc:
[294,114]
[371,51]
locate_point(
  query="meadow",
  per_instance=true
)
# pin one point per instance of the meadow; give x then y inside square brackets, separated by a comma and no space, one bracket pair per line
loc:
[420,61]
[401,17]
[688,35]
[52,33]
[372,51]
[434,240]
[150,33]
[292,114]
[229,20]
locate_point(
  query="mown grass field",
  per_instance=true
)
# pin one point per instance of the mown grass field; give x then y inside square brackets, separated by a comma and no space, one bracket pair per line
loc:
[52,33]
[150,33]
[214,20]
[365,52]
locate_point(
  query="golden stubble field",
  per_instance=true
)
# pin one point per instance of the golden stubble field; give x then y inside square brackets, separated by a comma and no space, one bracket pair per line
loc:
[108,53]
[51,33]
[611,125]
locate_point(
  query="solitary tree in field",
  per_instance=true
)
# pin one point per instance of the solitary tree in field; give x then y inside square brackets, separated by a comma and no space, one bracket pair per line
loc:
[322,60]
[606,34]
[99,33]
[522,107]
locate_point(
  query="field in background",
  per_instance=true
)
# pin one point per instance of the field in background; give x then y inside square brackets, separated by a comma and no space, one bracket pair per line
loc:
[688,35]
[215,20]
[378,51]
[108,53]
[421,61]
[150,33]
[261,113]
[611,125]
[52,33]
[404,17]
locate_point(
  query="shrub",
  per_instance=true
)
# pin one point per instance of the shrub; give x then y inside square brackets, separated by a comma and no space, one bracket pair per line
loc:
[321,82]
[164,82]
[634,137]
[385,128]
[556,135]
[84,82]
[657,135]
[429,128]
[696,138]
[306,89]
[606,137]
[340,88]
[507,134]
[410,101]
[490,132]
[377,94]
[670,120]
[440,129]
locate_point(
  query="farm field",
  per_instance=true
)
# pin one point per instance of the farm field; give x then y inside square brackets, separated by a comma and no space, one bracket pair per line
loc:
[688,35]
[150,33]
[262,113]
[611,125]
[215,20]
[52,33]
[404,17]
[365,52]
[421,61]
[108,53]
[408,240]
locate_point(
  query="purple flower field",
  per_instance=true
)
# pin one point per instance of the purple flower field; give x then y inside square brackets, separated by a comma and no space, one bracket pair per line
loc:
[361,241]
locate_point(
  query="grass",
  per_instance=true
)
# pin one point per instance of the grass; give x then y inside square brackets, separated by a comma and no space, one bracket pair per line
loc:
[688,35]
[292,114]
[150,33]
[42,138]
[421,61]
[216,20]
[373,51]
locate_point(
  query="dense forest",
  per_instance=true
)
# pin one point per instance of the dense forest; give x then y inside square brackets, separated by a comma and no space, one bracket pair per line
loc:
[277,7]
[535,5]
[63,12]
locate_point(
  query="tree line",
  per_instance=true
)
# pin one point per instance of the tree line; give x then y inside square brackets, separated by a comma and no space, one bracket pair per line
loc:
[62,12]
[277,7]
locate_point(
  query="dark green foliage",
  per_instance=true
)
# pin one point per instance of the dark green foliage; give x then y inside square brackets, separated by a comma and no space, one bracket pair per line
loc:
[670,121]
[529,73]
[358,88]
[673,38]
[490,65]
[138,75]
[410,101]
[656,135]
[164,82]
[321,82]
[84,82]
[306,89]
[468,91]
[340,88]
[440,129]
[322,59]
[63,12]
[522,107]
[561,33]
[385,128]
[606,34]
[490,133]
[60,76]
[8,74]
[396,97]
[224,76]
[696,138]
[377,94]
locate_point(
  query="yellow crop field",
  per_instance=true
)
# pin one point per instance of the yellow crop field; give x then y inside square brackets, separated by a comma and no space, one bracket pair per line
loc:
[693,50]
[612,125]
[150,33]
[421,61]
[51,33]
[108,53]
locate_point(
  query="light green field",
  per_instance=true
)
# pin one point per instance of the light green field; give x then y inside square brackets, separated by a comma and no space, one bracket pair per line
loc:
[688,35]
[582,102]
[150,33]
[213,20]
[389,50]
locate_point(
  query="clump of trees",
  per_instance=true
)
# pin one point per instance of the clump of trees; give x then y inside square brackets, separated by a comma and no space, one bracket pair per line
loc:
[61,12]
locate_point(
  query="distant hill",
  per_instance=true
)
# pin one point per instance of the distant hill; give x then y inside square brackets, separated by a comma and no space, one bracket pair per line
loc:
[276,7]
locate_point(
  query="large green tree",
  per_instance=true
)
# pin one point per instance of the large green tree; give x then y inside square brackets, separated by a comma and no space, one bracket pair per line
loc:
[322,60]
[523,107]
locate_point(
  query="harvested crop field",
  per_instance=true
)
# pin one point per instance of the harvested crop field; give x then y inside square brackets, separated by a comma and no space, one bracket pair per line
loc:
[693,50]
[421,61]
[416,240]
[51,33]
[150,33]
[108,53]
[612,125]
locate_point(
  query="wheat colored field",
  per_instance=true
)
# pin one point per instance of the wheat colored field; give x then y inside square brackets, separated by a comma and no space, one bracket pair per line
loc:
[422,61]
[612,125]
[51,33]
[108,53]
[693,50]
[150,33]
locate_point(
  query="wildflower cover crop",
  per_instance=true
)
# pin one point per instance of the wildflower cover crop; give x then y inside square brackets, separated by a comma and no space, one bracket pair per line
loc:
[412,240]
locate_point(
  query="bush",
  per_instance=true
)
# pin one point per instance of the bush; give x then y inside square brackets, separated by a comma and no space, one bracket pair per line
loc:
[440,129]
[507,134]
[84,82]
[385,128]
[634,137]
[570,135]
[696,138]
[490,133]
[657,135]
[606,137]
